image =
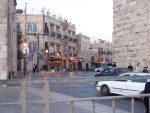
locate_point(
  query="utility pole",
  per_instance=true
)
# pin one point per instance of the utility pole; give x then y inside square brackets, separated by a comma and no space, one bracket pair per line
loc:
[38,53]
[25,19]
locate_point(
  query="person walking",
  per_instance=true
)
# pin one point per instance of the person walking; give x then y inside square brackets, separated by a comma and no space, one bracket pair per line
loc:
[130,67]
[146,99]
[34,68]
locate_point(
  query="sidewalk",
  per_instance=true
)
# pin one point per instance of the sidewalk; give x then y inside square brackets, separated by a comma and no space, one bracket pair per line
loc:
[21,75]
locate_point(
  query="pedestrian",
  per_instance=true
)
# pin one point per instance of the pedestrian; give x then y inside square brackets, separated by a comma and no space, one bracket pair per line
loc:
[130,67]
[146,99]
[114,64]
[34,68]
[137,67]
[145,70]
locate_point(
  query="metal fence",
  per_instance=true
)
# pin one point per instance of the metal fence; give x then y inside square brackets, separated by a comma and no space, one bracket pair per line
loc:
[46,99]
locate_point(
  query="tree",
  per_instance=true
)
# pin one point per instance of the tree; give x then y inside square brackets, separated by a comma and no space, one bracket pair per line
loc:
[19,52]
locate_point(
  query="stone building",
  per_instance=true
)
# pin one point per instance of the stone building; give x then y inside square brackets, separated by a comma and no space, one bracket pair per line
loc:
[46,31]
[8,50]
[104,51]
[131,32]
[88,55]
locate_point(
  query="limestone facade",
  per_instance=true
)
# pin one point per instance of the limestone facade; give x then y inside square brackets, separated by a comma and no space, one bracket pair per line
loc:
[59,35]
[8,50]
[87,54]
[104,51]
[131,34]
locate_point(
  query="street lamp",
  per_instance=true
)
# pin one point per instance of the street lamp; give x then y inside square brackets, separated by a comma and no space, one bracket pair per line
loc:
[57,54]
[47,61]
[71,58]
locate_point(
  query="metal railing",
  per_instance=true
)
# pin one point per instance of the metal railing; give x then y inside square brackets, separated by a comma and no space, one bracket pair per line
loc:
[46,100]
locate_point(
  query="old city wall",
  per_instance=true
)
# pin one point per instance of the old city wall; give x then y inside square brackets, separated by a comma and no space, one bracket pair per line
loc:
[131,32]
[8,49]
[3,38]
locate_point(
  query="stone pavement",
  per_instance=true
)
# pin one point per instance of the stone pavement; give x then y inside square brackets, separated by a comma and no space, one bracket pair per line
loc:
[34,93]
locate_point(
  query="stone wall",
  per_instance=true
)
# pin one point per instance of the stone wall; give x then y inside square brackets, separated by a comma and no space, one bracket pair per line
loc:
[131,32]
[7,38]
[3,38]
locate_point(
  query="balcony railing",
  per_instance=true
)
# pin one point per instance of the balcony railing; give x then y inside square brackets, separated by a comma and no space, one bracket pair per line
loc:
[58,35]
[74,40]
[70,39]
[53,34]
[65,37]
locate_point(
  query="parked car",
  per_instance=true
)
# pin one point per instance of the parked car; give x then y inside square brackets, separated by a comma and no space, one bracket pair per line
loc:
[123,87]
[101,68]
[112,71]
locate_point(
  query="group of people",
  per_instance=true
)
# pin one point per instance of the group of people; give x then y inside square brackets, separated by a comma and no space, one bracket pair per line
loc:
[147,85]
[137,68]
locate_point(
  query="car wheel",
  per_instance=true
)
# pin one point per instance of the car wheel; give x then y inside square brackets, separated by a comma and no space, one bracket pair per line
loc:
[98,70]
[105,90]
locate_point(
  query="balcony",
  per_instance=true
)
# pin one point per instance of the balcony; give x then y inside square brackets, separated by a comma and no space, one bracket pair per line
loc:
[58,35]
[70,39]
[53,34]
[65,37]
[75,54]
[70,54]
[74,40]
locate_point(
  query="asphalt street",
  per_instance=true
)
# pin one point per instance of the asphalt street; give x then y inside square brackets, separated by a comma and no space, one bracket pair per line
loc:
[65,92]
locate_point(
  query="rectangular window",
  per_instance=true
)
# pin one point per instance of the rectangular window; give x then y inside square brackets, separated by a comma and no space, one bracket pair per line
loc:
[32,46]
[29,28]
[32,27]
[18,27]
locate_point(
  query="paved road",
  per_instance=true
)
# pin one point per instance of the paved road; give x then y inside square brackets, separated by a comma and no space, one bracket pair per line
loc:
[63,92]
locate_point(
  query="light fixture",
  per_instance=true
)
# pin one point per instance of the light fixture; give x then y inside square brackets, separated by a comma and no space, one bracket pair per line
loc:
[46,51]
[57,54]
[25,43]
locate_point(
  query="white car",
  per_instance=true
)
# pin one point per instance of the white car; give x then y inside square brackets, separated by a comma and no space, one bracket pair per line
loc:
[123,87]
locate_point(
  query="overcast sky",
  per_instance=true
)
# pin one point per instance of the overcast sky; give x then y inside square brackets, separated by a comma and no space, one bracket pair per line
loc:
[93,18]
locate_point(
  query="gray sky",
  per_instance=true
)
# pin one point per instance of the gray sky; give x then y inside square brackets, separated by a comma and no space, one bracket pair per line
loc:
[93,18]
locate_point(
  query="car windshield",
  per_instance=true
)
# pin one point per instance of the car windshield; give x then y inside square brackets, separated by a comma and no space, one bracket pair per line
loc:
[123,70]
[140,81]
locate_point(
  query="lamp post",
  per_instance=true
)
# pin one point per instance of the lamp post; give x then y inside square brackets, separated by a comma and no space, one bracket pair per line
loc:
[47,53]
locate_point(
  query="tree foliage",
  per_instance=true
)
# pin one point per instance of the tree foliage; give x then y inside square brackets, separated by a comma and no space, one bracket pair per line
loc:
[19,52]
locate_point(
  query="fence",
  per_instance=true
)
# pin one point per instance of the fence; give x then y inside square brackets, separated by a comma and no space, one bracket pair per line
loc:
[46,100]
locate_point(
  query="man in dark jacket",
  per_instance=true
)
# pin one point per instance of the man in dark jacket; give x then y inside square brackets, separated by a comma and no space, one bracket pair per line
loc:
[114,64]
[130,67]
[146,99]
